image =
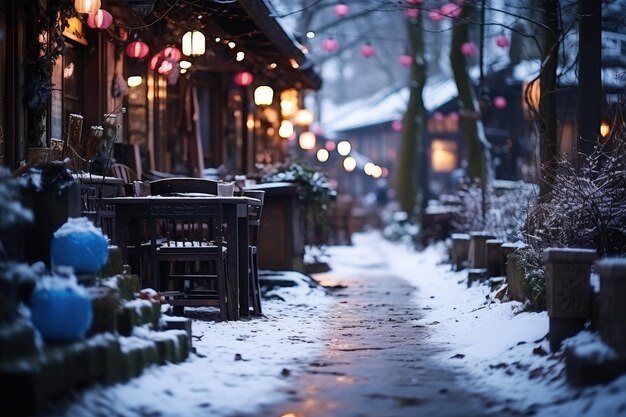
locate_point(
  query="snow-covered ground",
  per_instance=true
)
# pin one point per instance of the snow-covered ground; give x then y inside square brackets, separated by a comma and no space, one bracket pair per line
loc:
[244,364]
[504,348]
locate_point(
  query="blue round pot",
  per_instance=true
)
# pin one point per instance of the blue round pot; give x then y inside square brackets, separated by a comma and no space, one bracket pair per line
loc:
[61,314]
[86,251]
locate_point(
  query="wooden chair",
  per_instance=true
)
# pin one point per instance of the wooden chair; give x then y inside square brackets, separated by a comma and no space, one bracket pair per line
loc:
[190,256]
[124,172]
[183,185]
[254,225]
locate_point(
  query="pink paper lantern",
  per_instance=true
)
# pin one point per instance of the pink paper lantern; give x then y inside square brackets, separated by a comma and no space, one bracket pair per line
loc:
[330,45]
[499,102]
[341,9]
[412,13]
[396,125]
[100,19]
[137,49]
[330,145]
[435,15]
[468,49]
[451,10]
[438,116]
[405,60]
[413,1]
[453,116]
[502,41]
[367,50]
[243,78]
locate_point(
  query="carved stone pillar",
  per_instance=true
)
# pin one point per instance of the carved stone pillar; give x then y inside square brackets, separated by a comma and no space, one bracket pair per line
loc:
[613,302]
[568,291]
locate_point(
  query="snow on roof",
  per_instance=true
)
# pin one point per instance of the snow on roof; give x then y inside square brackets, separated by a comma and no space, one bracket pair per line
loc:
[527,70]
[384,106]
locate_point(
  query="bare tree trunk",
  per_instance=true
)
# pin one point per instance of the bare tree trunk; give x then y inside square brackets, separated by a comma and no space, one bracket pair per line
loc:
[411,175]
[547,103]
[473,129]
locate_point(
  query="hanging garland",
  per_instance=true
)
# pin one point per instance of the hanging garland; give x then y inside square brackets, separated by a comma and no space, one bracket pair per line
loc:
[40,59]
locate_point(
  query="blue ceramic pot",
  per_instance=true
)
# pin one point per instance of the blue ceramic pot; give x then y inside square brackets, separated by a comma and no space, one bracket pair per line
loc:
[86,249]
[61,314]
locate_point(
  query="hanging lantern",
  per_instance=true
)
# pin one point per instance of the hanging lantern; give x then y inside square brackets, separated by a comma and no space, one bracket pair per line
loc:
[101,19]
[344,148]
[413,1]
[322,155]
[435,15]
[137,49]
[502,41]
[405,60]
[349,164]
[396,125]
[185,65]
[286,129]
[451,10]
[87,6]
[243,78]
[367,50]
[304,117]
[469,49]
[438,117]
[263,95]
[499,102]
[330,45]
[194,43]
[330,145]
[341,9]
[412,13]
[134,81]
[172,53]
[307,140]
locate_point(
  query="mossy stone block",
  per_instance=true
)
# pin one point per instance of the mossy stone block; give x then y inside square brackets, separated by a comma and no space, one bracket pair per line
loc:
[114,264]
[105,303]
[17,340]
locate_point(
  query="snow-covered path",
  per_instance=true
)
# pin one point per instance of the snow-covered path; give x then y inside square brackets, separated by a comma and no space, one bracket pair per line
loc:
[400,335]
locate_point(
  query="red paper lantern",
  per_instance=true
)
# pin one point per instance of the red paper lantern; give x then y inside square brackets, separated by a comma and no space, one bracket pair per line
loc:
[367,50]
[243,78]
[169,53]
[412,13]
[451,10]
[469,49]
[435,15]
[172,53]
[341,9]
[137,49]
[502,41]
[405,60]
[499,102]
[100,19]
[396,125]
[330,45]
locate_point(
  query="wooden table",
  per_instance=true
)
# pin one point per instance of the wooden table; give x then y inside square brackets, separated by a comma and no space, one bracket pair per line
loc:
[131,211]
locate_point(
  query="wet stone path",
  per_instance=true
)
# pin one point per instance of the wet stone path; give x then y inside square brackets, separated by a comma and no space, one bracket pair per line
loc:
[377,363]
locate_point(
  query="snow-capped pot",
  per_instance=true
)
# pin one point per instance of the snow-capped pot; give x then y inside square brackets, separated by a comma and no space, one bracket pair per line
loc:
[60,309]
[79,244]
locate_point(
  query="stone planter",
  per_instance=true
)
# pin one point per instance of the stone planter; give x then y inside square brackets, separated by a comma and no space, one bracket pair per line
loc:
[493,257]
[568,291]
[477,255]
[507,249]
[612,320]
[460,249]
